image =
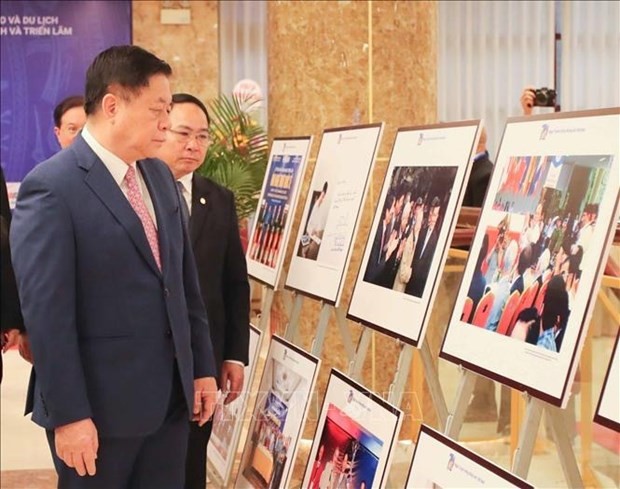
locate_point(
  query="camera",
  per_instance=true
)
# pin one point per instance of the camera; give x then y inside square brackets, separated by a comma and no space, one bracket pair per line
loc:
[544,97]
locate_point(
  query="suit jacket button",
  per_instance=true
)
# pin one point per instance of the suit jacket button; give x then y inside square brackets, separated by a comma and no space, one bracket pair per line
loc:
[169,333]
[166,293]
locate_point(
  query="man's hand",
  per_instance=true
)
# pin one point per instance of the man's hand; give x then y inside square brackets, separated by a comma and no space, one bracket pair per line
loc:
[528,97]
[205,397]
[9,339]
[24,348]
[231,380]
[77,445]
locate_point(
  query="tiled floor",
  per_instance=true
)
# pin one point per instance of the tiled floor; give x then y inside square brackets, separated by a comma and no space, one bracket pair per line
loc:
[26,464]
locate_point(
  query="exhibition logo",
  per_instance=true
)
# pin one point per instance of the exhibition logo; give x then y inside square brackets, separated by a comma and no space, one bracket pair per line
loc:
[547,130]
[453,465]
[451,462]
[424,138]
[342,137]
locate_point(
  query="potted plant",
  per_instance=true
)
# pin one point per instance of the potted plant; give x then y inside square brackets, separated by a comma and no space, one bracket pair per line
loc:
[237,157]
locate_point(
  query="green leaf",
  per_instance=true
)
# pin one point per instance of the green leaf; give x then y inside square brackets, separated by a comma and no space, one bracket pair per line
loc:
[237,158]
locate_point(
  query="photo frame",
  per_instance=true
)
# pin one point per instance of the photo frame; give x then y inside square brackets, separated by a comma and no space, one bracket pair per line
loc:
[354,439]
[439,462]
[276,208]
[278,416]
[608,407]
[412,228]
[228,419]
[332,211]
[540,249]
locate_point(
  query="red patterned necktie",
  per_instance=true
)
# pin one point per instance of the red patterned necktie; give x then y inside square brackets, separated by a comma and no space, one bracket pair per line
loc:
[136,201]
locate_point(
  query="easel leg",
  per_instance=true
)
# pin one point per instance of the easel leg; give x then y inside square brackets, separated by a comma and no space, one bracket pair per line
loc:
[319,337]
[341,320]
[357,364]
[266,308]
[397,387]
[454,422]
[432,379]
[527,438]
[293,323]
[562,439]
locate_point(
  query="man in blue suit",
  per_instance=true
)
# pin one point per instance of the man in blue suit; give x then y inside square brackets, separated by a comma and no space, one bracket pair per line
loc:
[110,296]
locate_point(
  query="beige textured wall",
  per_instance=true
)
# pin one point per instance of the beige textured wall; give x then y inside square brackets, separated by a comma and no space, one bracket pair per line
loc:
[319,59]
[192,50]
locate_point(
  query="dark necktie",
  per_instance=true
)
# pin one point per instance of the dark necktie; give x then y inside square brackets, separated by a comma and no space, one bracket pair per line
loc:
[184,208]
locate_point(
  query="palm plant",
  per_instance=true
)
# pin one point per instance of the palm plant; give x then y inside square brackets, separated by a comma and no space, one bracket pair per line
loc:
[237,157]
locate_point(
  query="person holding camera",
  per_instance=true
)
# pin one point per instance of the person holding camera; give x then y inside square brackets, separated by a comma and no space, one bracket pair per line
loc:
[542,97]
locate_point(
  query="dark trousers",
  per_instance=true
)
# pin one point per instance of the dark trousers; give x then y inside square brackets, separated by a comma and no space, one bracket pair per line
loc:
[196,461]
[155,461]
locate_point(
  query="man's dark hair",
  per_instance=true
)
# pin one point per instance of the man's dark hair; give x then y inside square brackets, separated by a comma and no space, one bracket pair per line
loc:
[526,257]
[186,98]
[389,202]
[65,105]
[129,67]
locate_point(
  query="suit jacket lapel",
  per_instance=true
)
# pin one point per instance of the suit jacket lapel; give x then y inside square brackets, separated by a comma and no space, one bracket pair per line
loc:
[201,208]
[155,191]
[101,182]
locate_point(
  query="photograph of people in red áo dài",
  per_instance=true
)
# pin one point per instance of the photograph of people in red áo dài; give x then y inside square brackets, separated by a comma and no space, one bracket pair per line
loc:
[538,231]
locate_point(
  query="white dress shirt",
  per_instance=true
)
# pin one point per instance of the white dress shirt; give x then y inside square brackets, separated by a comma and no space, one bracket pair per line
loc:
[118,169]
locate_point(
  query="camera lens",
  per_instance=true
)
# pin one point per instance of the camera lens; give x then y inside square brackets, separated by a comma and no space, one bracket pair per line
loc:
[541,97]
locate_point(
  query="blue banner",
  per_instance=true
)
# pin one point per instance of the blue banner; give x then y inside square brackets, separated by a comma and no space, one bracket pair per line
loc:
[46,49]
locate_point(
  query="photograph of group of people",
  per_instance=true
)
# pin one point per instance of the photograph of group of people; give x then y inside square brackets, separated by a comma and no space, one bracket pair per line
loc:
[406,236]
[278,416]
[348,454]
[540,232]
[266,452]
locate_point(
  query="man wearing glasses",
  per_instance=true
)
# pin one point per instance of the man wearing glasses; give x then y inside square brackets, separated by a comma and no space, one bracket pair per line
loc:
[220,260]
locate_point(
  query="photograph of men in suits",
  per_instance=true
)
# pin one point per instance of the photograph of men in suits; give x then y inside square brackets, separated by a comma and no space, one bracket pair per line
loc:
[425,250]
[222,272]
[406,235]
[109,290]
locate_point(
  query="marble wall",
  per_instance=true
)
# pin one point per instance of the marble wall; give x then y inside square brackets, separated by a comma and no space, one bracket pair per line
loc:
[337,63]
[192,50]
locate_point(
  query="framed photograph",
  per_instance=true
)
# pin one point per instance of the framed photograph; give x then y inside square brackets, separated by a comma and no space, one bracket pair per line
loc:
[439,462]
[228,419]
[412,228]
[539,251]
[608,409]
[278,416]
[354,439]
[332,212]
[276,208]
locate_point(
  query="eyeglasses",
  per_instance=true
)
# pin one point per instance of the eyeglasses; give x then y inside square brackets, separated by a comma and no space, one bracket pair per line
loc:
[202,139]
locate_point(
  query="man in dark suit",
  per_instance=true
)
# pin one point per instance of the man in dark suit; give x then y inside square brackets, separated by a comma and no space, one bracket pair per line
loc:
[109,290]
[220,260]
[424,251]
[480,174]
[376,260]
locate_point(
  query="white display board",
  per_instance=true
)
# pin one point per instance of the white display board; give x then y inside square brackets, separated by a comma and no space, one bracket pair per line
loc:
[332,212]
[228,418]
[608,409]
[539,251]
[278,417]
[413,225]
[276,208]
[439,463]
[354,440]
